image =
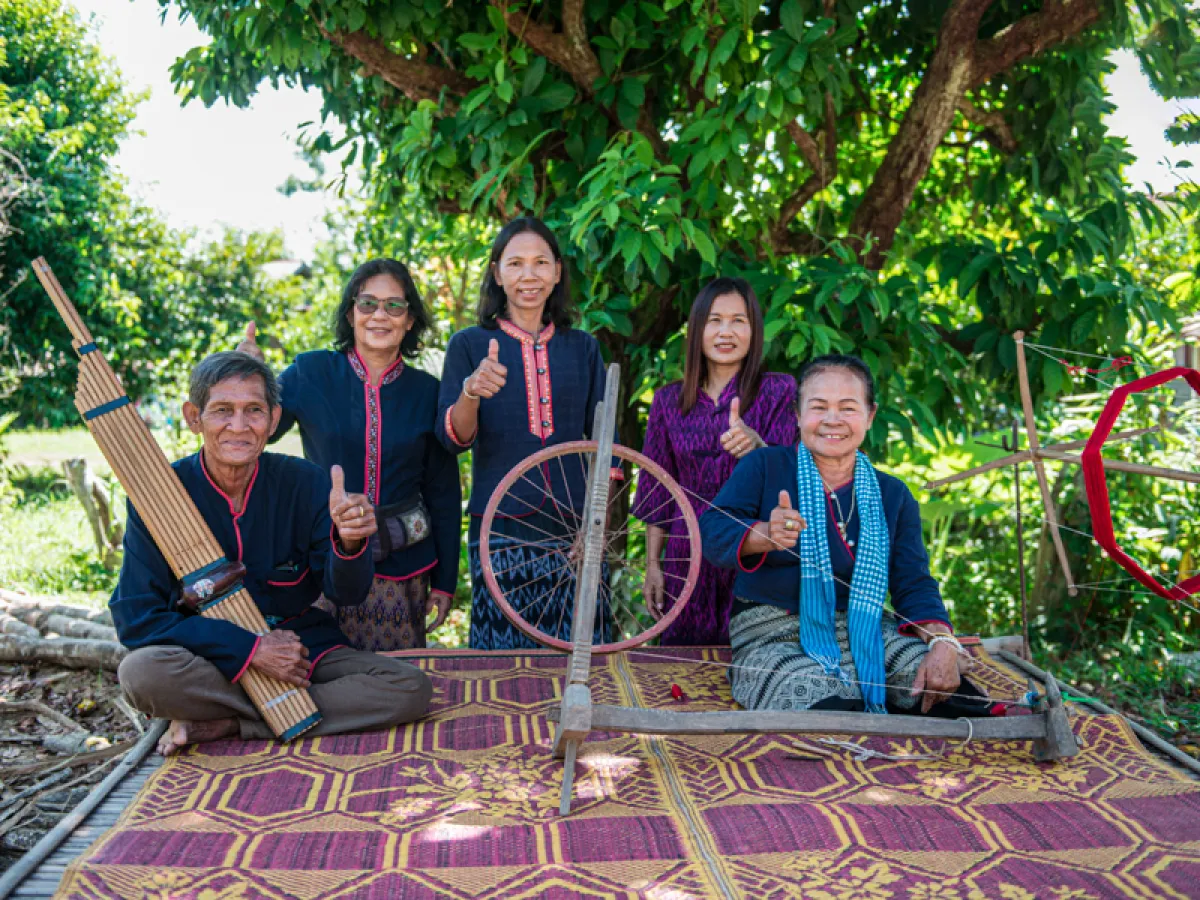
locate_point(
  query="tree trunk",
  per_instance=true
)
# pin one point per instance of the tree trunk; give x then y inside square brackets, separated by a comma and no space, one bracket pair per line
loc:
[71,653]
[94,501]
[10,600]
[66,626]
[925,124]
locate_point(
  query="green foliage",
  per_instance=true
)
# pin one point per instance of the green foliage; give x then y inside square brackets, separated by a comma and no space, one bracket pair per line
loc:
[656,139]
[156,299]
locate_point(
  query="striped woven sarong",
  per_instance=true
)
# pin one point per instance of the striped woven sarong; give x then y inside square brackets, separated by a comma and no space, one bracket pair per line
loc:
[771,671]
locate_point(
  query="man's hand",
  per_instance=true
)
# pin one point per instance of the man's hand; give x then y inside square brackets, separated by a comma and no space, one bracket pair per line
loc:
[785,525]
[248,345]
[281,656]
[353,515]
[440,603]
[938,675]
[740,439]
[654,590]
[490,375]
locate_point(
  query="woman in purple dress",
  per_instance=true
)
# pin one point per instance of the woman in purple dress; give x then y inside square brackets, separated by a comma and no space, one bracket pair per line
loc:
[699,428]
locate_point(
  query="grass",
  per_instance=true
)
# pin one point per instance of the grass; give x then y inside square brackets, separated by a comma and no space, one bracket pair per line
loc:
[46,545]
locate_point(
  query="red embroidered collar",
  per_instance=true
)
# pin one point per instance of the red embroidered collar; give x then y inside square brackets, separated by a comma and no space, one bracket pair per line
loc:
[360,368]
[515,331]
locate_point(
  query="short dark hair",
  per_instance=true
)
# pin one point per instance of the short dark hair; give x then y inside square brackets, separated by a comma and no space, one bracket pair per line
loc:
[343,324]
[222,366]
[492,300]
[831,361]
[695,363]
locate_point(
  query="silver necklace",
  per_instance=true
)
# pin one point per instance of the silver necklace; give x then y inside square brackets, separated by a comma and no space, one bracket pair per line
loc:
[842,521]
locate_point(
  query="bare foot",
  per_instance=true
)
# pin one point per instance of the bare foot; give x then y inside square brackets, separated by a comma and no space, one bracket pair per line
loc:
[181,733]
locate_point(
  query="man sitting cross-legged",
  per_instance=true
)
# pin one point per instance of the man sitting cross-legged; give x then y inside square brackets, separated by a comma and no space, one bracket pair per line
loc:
[299,535]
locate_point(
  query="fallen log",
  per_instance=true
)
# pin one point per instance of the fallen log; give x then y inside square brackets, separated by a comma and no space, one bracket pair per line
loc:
[10,599]
[9,625]
[71,653]
[66,626]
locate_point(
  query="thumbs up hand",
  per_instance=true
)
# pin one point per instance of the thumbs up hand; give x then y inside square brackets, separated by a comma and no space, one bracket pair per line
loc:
[786,524]
[488,377]
[740,439]
[352,514]
[248,345]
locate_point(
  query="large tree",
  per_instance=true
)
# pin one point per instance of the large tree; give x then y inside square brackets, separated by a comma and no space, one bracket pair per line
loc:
[912,179]
[156,298]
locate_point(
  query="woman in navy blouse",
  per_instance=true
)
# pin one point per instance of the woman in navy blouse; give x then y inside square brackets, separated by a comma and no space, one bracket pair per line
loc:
[362,407]
[823,641]
[520,380]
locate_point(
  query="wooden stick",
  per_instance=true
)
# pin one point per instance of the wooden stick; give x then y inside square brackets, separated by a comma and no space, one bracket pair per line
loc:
[1117,465]
[1140,730]
[1026,455]
[60,832]
[1011,460]
[1043,484]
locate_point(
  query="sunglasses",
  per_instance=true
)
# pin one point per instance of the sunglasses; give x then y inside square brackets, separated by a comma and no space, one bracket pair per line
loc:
[393,306]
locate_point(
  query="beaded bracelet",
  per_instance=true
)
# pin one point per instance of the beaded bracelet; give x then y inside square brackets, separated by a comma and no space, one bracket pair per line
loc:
[946,639]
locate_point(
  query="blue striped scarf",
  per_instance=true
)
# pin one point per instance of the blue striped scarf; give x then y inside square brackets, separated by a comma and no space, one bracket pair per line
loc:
[868,587]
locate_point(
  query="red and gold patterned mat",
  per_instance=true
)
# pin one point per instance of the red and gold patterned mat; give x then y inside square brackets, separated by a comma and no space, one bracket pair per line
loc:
[464,805]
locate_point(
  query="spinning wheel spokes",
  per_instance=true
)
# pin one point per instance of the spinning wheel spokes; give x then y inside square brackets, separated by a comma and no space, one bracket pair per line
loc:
[531,547]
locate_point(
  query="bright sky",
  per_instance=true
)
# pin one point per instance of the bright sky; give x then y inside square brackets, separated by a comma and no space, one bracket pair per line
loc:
[203,167]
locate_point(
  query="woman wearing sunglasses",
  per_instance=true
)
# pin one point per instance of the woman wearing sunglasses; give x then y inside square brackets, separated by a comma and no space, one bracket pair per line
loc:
[361,407]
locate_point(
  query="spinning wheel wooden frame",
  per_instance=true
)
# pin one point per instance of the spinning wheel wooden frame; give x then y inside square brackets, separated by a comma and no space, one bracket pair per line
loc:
[577,716]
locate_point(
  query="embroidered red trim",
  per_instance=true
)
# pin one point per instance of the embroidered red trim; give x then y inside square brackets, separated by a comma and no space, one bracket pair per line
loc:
[762,557]
[245,500]
[303,575]
[450,430]
[246,664]
[333,541]
[320,657]
[374,416]
[535,355]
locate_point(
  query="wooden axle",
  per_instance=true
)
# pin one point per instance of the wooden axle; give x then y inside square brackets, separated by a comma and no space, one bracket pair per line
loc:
[740,721]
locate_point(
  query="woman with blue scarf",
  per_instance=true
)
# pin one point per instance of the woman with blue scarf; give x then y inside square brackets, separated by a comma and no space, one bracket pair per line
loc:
[819,540]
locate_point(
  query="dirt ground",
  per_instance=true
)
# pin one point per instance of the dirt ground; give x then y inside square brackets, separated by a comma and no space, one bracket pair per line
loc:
[61,732]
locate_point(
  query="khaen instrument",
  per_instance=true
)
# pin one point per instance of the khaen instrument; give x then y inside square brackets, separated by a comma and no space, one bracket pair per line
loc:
[212,584]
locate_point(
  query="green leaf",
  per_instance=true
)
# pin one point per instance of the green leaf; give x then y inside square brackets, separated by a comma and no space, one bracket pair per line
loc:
[533,76]
[504,90]
[971,274]
[704,246]
[725,47]
[791,17]
[557,96]
[634,92]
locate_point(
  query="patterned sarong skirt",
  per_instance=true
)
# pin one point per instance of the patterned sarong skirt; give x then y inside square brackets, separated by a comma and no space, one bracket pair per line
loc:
[771,671]
[529,559]
[391,618]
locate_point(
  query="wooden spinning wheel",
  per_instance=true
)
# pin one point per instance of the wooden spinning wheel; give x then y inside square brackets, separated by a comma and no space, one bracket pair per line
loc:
[535,530]
[579,548]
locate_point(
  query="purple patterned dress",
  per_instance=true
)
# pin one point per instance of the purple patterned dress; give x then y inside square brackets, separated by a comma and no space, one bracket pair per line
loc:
[689,448]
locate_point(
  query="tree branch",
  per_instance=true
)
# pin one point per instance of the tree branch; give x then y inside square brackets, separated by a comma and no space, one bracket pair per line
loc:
[1056,22]
[824,171]
[414,79]
[570,51]
[995,127]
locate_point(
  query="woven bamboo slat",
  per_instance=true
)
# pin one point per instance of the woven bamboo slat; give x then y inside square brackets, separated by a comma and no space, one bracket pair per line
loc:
[171,517]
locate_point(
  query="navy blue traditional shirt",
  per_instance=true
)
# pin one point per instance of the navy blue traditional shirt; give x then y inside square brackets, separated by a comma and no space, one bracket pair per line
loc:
[282,535]
[555,379]
[383,438]
[774,578]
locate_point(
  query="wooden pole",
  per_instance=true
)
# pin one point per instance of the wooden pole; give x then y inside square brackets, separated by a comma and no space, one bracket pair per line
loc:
[1141,731]
[1117,465]
[60,832]
[1038,467]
